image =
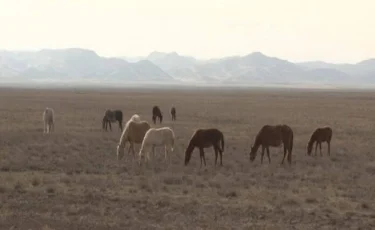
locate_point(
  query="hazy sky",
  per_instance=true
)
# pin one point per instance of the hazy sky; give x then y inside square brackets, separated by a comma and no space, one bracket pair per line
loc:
[297,30]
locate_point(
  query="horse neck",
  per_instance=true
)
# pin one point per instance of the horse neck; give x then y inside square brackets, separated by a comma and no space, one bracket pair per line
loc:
[257,142]
[124,137]
[190,147]
[311,141]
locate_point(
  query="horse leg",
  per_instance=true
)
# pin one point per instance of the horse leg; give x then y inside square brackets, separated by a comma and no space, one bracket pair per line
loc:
[221,157]
[320,148]
[329,148]
[316,148]
[201,152]
[120,125]
[290,155]
[261,158]
[110,126]
[282,162]
[201,155]
[129,149]
[153,152]
[165,153]
[132,146]
[216,153]
[204,158]
[268,155]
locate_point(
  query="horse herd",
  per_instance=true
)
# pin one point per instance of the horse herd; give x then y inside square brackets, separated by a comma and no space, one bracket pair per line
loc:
[137,131]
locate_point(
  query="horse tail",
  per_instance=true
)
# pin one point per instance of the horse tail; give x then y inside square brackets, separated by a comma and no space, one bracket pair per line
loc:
[222,143]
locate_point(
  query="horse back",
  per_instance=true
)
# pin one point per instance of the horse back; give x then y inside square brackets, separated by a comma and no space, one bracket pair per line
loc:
[137,130]
[156,111]
[207,137]
[275,135]
[48,115]
[323,134]
[118,115]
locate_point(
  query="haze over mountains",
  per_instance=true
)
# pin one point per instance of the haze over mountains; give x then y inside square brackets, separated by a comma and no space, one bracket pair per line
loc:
[255,68]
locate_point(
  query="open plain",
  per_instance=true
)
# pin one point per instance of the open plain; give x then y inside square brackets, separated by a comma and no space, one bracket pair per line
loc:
[71,178]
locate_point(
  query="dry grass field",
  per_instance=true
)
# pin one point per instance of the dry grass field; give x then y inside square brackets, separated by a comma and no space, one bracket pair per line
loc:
[71,179]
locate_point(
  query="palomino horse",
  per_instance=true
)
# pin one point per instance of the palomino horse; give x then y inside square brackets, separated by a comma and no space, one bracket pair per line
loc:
[273,136]
[134,132]
[156,112]
[157,137]
[320,135]
[205,138]
[49,120]
[112,116]
[173,113]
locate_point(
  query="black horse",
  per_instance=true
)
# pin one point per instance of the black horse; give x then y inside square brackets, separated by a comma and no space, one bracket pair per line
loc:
[112,116]
[156,113]
[173,113]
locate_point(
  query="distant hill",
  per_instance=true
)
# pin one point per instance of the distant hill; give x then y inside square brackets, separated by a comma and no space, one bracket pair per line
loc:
[76,63]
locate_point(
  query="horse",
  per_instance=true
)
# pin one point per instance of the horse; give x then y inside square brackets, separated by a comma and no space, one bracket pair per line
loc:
[156,112]
[157,137]
[134,132]
[112,116]
[323,134]
[273,136]
[205,138]
[49,120]
[173,113]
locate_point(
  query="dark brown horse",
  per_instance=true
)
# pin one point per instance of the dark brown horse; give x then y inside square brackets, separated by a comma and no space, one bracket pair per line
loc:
[320,135]
[205,138]
[173,113]
[273,136]
[112,116]
[156,112]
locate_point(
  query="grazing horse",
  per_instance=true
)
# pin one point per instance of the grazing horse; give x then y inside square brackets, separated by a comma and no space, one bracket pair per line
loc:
[320,135]
[173,113]
[205,138]
[273,136]
[112,116]
[156,112]
[49,120]
[134,132]
[157,137]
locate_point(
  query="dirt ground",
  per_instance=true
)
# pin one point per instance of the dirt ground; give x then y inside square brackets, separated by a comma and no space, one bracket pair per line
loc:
[71,179]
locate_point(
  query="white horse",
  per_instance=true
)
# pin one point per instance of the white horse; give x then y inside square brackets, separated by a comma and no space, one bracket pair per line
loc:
[48,118]
[157,137]
[135,117]
[134,132]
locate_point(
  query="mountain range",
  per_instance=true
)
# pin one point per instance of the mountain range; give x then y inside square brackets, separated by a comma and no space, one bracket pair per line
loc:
[254,68]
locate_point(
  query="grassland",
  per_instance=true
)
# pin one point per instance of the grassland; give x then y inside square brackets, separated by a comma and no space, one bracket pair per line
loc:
[71,179]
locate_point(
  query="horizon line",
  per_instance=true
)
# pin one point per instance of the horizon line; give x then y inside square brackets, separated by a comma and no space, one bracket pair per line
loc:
[180,54]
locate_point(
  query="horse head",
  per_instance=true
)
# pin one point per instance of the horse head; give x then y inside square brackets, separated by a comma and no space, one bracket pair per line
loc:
[188,152]
[120,152]
[253,152]
[309,149]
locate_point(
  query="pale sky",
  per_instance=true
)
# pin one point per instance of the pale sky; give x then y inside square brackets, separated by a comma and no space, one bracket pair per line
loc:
[296,30]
